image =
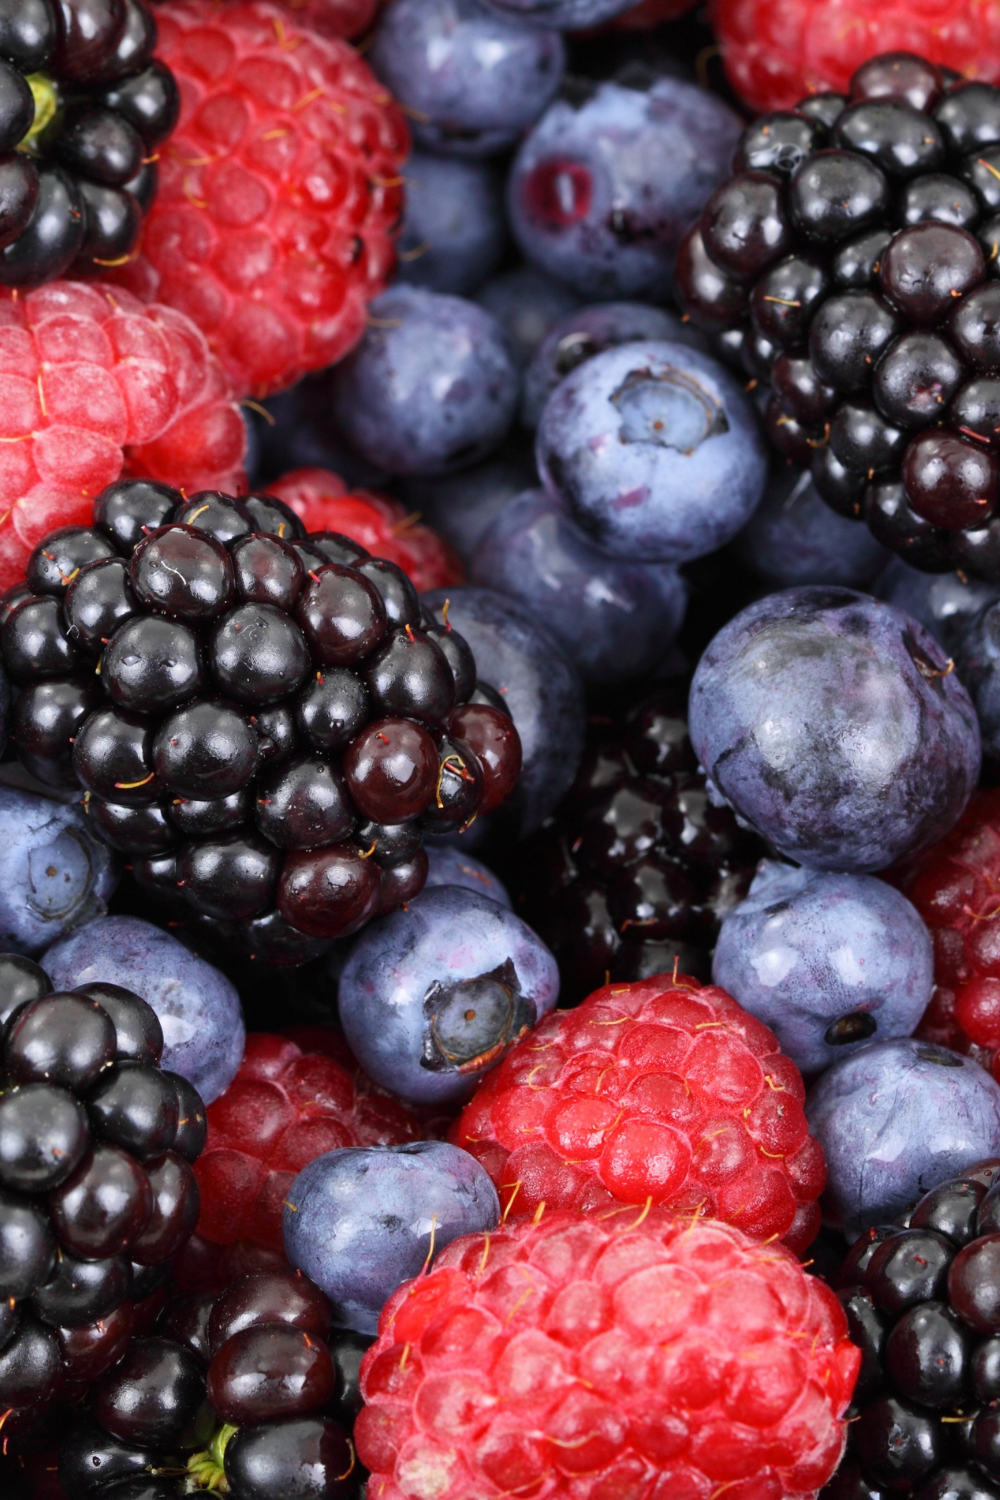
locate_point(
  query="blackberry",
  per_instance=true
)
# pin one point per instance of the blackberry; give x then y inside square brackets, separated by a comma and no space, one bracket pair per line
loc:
[922,1300]
[634,872]
[97,1195]
[83,106]
[852,265]
[263,720]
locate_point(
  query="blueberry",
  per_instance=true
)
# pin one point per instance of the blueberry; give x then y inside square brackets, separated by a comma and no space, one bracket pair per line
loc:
[827,961]
[603,189]
[794,537]
[55,874]
[473,80]
[526,303]
[834,725]
[297,433]
[943,603]
[614,619]
[198,1007]
[461,506]
[436,993]
[975,644]
[566,15]
[894,1119]
[362,1220]
[430,387]
[448,866]
[453,231]
[655,451]
[539,686]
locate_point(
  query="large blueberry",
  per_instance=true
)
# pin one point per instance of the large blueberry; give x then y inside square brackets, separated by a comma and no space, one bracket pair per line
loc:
[472,80]
[975,643]
[540,687]
[431,386]
[794,537]
[944,603]
[198,1007]
[526,303]
[894,1119]
[566,15]
[835,726]
[655,451]
[827,961]
[449,866]
[606,185]
[435,994]
[55,874]
[453,231]
[615,619]
[461,506]
[361,1221]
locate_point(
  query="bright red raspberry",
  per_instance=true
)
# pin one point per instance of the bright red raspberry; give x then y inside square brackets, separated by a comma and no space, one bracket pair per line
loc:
[91,379]
[280,190]
[337,18]
[664,1091]
[284,1108]
[607,1356]
[775,54]
[384,526]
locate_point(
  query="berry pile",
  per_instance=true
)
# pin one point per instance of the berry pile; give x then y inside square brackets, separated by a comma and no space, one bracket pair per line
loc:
[97,1194]
[660,1092]
[922,1306]
[263,719]
[83,106]
[851,263]
[638,867]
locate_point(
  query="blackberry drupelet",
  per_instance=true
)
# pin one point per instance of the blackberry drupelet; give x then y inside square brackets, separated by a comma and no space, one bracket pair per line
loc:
[97,1194]
[923,1305]
[253,712]
[852,264]
[83,106]
[637,867]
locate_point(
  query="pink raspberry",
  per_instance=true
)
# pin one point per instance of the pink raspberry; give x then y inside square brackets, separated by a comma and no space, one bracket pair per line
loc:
[607,1356]
[663,1091]
[93,381]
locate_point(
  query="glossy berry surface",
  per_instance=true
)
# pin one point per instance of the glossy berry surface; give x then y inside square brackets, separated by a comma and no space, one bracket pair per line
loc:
[716,1128]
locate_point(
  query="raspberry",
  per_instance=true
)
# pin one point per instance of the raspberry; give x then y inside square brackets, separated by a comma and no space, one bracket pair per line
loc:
[334,18]
[604,1355]
[89,376]
[323,502]
[279,192]
[774,54]
[285,1107]
[663,1091]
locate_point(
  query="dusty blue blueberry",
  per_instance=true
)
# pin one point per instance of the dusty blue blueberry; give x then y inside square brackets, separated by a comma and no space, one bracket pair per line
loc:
[431,386]
[526,303]
[654,450]
[975,645]
[472,80]
[588,331]
[449,866]
[614,619]
[834,725]
[566,15]
[198,1007]
[436,993]
[540,687]
[462,506]
[894,1119]
[828,961]
[453,231]
[608,182]
[944,603]
[361,1221]
[794,537]
[55,874]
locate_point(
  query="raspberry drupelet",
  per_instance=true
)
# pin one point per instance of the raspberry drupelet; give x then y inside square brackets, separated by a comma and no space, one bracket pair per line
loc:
[663,1092]
[618,1353]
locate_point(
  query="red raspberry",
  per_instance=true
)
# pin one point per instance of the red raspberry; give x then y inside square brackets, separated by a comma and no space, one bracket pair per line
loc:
[776,54]
[89,376]
[607,1357]
[384,526]
[284,1108]
[337,18]
[665,1092]
[279,192]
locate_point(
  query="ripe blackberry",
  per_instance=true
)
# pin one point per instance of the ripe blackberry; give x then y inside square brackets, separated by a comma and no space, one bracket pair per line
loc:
[852,264]
[83,106]
[923,1306]
[252,711]
[97,1194]
[637,867]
